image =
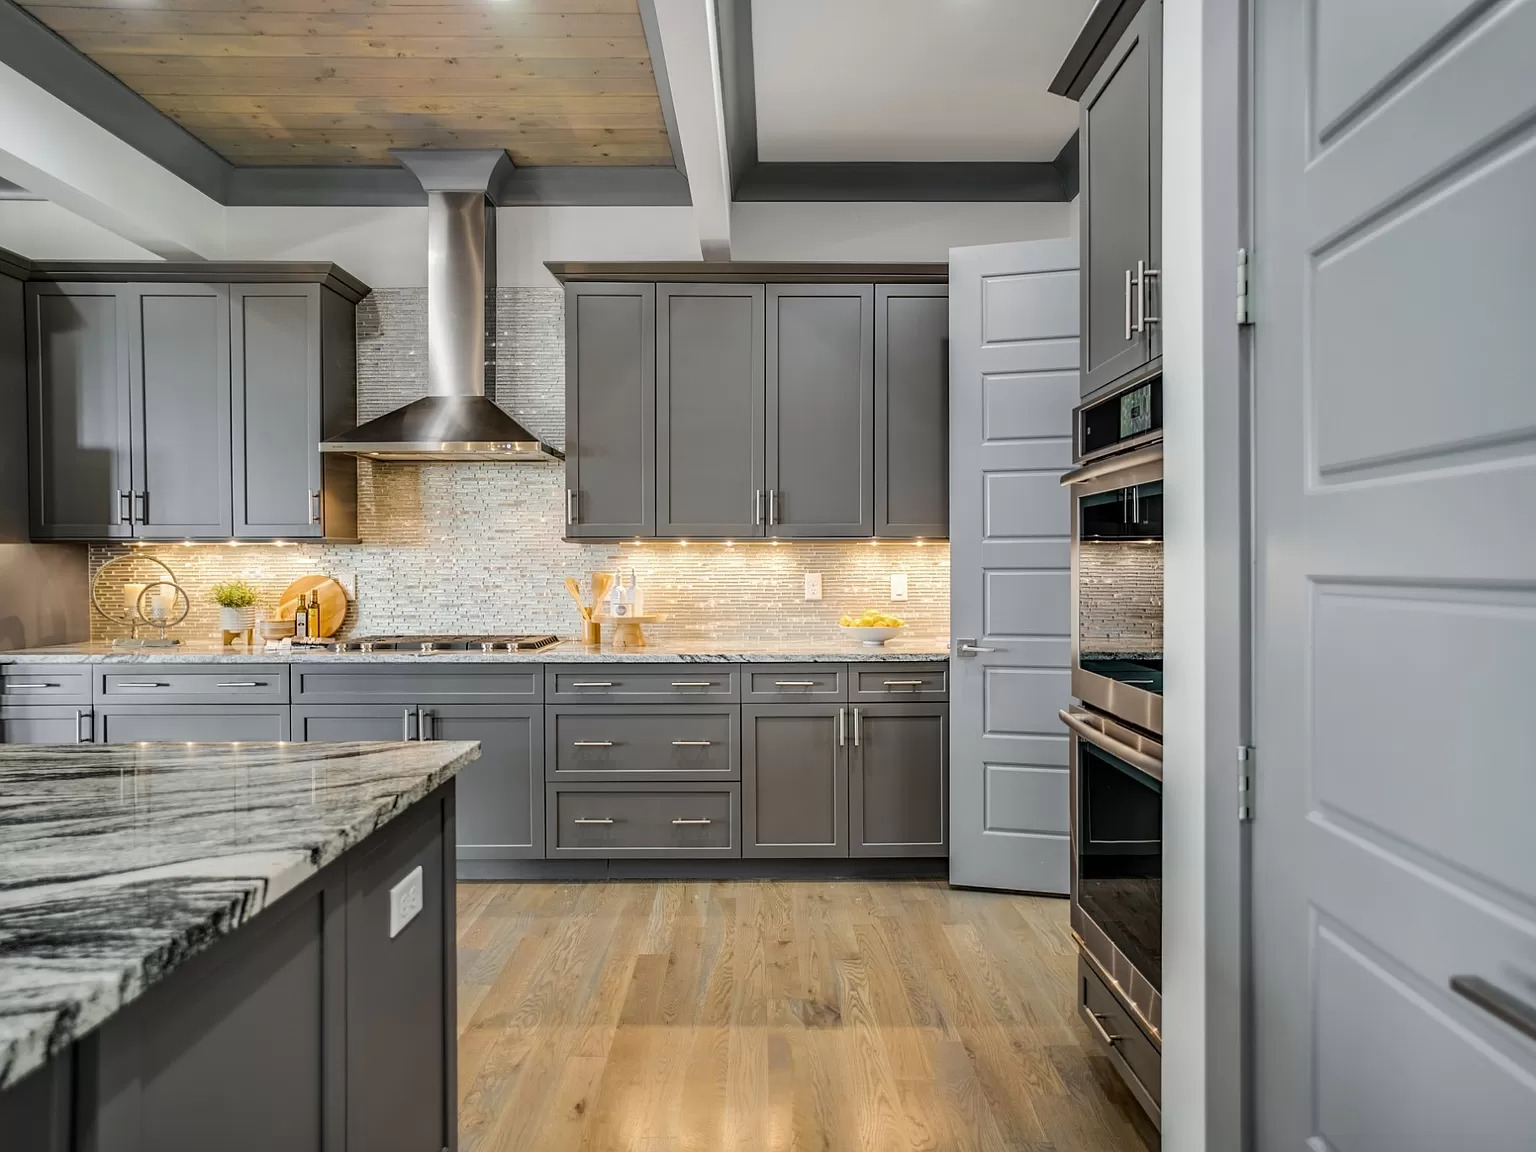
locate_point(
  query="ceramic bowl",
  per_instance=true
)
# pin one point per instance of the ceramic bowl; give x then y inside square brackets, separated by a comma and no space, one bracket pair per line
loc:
[275,629]
[872,637]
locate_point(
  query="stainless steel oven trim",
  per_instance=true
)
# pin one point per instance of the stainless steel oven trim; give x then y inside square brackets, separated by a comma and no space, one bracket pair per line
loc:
[1124,701]
[1137,750]
[1120,445]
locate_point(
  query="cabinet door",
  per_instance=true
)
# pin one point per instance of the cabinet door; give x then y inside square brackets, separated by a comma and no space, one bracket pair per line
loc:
[709,409]
[610,410]
[501,795]
[200,723]
[821,410]
[77,383]
[898,783]
[912,410]
[179,389]
[340,723]
[275,384]
[46,724]
[1115,142]
[794,772]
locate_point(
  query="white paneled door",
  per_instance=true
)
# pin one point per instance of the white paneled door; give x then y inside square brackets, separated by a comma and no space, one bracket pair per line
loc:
[1013,340]
[1394,868]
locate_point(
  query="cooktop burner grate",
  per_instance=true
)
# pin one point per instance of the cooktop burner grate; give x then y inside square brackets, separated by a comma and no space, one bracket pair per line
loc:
[448,643]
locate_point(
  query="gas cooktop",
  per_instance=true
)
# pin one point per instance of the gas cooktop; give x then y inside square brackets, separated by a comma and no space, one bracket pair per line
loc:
[430,644]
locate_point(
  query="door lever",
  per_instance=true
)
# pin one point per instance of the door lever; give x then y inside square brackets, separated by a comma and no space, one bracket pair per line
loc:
[969,647]
[1498,1003]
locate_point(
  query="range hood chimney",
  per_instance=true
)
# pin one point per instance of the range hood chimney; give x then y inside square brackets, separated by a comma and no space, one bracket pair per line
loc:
[455,420]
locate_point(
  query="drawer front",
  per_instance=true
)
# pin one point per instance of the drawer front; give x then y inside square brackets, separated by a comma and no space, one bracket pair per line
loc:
[199,723]
[418,683]
[1133,1054]
[47,725]
[192,684]
[660,820]
[872,683]
[644,684]
[25,684]
[598,743]
[789,683]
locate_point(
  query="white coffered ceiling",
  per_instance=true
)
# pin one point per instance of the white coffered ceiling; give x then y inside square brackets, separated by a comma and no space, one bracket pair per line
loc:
[912,80]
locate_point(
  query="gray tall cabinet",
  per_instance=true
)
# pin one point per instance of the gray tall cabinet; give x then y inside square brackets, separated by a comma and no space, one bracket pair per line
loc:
[813,410]
[168,406]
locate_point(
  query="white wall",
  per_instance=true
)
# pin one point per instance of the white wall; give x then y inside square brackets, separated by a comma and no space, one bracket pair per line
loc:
[42,230]
[885,231]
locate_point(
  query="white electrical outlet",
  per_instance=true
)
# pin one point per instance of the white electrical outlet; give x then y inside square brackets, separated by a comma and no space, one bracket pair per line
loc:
[813,585]
[405,902]
[348,582]
[898,585]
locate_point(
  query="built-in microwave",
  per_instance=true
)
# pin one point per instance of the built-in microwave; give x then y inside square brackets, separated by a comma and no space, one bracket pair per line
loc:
[1117,556]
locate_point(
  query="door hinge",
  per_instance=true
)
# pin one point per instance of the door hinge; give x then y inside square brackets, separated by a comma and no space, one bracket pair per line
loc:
[1245,766]
[1243,315]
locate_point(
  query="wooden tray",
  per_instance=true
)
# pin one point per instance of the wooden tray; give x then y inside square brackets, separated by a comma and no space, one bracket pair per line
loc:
[332,597]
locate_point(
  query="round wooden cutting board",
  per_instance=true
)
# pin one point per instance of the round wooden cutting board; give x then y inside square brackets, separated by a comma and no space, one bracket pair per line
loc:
[333,601]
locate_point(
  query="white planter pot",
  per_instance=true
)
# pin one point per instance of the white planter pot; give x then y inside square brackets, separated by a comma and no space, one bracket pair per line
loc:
[237,620]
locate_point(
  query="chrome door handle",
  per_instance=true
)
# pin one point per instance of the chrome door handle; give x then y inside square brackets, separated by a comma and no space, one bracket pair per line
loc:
[314,507]
[143,501]
[794,683]
[239,684]
[124,507]
[842,727]
[30,687]
[423,720]
[971,648]
[592,684]
[700,820]
[1143,274]
[591,743]
[1498,1003]
[570,505]
[82,714]
[693,683]
[692,743]
[905,683]
[1129,330]
[1104,1033]
[858,727]
[405,725]
[141,684]
[773,506]
[757,507]
[593,820]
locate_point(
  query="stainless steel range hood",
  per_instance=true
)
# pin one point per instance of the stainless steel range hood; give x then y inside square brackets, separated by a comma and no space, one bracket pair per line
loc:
[455,420]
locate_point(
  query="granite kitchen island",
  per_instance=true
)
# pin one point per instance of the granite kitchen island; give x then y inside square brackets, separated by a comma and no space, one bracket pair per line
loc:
[234,946]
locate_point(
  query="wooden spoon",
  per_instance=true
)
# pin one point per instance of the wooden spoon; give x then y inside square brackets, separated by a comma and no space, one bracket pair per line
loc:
[602,584]
[575,590]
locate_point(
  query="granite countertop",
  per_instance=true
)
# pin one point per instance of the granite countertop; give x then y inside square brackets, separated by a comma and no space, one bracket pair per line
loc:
[1131,654]
[118,862]
[900,650]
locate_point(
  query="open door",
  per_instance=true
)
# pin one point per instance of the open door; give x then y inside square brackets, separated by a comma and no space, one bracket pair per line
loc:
[1013,347]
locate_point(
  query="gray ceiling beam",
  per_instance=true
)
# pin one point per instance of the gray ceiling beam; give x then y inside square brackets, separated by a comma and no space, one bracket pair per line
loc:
[386,187]
[663,85]
[1066,168]
[738,86]
[1040,181]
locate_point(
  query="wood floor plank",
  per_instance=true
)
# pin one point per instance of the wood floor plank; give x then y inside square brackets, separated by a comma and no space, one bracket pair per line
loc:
[768,1016]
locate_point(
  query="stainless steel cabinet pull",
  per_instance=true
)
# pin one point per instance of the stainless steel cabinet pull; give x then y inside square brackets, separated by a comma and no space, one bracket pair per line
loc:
[30,687]
[570,505]
[141,684]
[1104,1033]
[773,506]
[593,820]
[971,648]
[239,684]
[314,507]
[693,683]
[1492,999]
[691,743]
[591,743]
[124,507]
[405,725]
[858,727]
[423,720]
[1129,329]
[905,683]
[592,684]
[81,714]
[842,727]
[701,820]
[143,500]
[757,507]
[1143,274]
[794,683]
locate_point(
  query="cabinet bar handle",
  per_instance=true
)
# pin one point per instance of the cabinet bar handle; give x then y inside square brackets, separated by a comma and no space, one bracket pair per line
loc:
[592,743]
[1517,1013]
[31,687]
[905,683]
[685,820]
[794,683]
[405,725]
[1129,329]
[570,505]
[81,714]
[423,720]
[757,507]
[592,684]
[842,727]
[314,507]
[773,506]
[143,499]
[124,507]
[693,683]
[241,684]
[593,820]
[141,684]
[691,743]
[858,727]
[1143,274]
[1104,1033]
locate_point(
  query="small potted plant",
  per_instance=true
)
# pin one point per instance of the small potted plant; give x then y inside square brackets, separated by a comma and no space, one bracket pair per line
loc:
[237,609]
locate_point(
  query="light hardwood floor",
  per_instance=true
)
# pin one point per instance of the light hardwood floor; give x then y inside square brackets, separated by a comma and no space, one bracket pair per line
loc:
[665,1017]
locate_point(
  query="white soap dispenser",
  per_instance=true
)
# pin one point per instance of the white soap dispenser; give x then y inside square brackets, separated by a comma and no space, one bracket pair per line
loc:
[636,595]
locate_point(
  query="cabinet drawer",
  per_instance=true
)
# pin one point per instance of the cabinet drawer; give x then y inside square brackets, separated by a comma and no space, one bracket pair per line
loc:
[195,723]
[1131,1051]
[418,683]
[645,684]
[20,724]
[45,683]
[659,820]
[788,683]
[638,743]
[893,682]
[192,684]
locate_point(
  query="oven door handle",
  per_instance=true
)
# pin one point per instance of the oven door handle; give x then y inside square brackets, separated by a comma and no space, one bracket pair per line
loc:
[1151,454]
[1135,757]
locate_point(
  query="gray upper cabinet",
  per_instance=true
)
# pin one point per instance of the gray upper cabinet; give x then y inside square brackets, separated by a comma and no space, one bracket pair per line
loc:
[81,437]
[1120,143]
[179,411]
[821,410]
[794,780]
[898,780]
[709,410]
[293,356]
[912,410]
[610,410]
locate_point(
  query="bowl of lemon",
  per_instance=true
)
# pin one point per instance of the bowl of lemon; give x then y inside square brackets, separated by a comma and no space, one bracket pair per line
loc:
[872,628]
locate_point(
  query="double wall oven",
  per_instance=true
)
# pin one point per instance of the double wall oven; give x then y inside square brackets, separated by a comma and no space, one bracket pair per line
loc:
[1115,727]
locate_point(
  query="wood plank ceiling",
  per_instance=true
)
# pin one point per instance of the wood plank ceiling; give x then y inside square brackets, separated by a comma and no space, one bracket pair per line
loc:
[344,81]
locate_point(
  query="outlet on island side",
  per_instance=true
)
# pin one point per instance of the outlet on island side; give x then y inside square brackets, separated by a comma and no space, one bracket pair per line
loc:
[898,585]
[405,900]
[813,585]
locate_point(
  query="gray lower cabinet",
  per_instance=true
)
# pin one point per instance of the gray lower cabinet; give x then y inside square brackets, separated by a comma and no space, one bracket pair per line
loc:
[198,723]
[633,743]
[794,776]
[898,780]
[610,410]
[709,410]
[912,410]
[820,424]
[46,724]
[682,820]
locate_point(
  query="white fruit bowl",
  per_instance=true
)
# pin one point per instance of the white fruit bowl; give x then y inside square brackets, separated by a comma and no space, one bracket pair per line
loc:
[873,637]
